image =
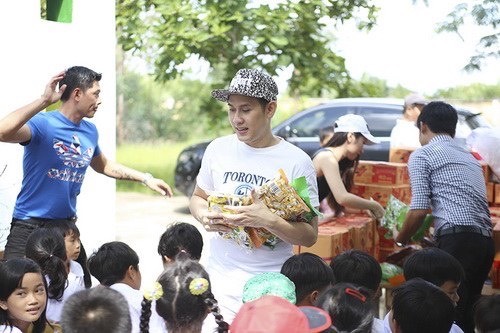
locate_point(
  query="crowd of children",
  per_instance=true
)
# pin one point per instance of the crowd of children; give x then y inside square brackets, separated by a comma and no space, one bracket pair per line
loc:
[46,291]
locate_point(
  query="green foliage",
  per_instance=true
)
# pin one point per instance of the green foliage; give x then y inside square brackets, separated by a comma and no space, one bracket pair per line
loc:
[157,159]
[174,110]
[485,13]
[234,34]
[471,93]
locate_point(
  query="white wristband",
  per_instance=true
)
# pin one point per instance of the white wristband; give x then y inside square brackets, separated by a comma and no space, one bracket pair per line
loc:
[147,176]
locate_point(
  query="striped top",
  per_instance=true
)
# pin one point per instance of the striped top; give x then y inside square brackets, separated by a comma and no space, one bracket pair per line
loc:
[446,177]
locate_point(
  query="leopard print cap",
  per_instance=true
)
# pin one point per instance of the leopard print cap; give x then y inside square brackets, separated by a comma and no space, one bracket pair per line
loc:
[249,82]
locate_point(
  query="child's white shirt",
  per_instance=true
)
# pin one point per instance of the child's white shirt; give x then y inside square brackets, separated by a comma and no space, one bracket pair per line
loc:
[134,299]
[74,284]
[387,328]
[9,329]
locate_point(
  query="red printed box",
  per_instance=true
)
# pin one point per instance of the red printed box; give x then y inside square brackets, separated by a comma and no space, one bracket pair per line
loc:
[381,193]
[384,173]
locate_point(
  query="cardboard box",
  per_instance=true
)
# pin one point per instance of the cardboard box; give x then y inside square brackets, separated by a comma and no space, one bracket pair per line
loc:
[495,272]
[486,170]
[385,173]
[381,193]
[497,194]
[496,233]
[400,155]
[490,192]
[332,241]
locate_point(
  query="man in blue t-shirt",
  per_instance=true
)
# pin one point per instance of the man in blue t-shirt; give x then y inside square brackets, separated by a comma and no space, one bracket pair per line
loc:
[58,148]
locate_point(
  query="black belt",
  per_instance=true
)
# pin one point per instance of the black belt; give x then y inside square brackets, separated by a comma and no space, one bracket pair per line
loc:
[40,222]
[461,229]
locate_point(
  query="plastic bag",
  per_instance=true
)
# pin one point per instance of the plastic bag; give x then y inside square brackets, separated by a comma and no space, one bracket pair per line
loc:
[486,141]
[394,218]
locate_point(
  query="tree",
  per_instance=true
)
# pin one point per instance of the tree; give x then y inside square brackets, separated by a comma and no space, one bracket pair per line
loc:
[484,13]
[234,34]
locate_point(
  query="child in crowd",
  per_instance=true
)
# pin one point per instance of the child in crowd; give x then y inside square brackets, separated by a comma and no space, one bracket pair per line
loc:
[22,297]
[439,268]
[360,268]
[46,247]
[183,298]
[179,237]
[77,258]
[274,314]
[487,314]
[116,265]
[419,306]
[310,274]
[269,283]
[349,307]
[96,310]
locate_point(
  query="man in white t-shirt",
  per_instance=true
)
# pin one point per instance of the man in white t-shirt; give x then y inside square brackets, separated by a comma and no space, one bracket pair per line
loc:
[235,165]
[405,133]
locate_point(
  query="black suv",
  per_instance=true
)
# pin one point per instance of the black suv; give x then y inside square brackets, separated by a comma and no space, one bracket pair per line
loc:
[302,130]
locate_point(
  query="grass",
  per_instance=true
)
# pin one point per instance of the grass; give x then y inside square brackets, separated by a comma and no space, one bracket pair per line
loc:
[159,159]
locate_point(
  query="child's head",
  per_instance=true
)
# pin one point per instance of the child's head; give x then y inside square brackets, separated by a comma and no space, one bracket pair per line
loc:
[310,274]
[358,267]
[115,262]
[46,247]
[179,237]
[419,306]
[184,297]
[437,267]
[22,294]
[269,283]
[486,314]
[349,307]
[99,309]
[71,236]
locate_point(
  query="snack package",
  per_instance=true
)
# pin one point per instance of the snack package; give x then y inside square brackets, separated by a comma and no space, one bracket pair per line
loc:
[246,236]
[394,217]
[282,199]
[289,201]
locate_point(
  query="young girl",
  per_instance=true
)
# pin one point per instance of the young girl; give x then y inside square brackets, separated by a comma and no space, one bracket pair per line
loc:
[350,308]
[336,163]
[76,261]
[183,298]
[22,296]
[46,247]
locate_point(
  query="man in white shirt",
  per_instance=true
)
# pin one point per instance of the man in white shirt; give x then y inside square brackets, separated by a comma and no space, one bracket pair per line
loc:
[405,133]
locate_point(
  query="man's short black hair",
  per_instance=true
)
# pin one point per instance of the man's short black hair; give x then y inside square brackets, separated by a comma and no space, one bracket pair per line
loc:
[440,117]
[78,77]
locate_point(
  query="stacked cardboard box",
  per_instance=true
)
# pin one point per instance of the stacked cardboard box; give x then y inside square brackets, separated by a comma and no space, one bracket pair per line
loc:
[352,231]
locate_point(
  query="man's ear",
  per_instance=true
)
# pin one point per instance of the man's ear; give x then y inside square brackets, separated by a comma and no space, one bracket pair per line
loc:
[166,260]
[271,109]
[77,93]
[314,296]
[3,305]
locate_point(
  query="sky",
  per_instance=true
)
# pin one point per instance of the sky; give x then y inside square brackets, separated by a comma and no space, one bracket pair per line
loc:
[405,49]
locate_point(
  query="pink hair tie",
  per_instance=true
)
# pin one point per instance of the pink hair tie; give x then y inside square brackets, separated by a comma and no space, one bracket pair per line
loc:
[355,293]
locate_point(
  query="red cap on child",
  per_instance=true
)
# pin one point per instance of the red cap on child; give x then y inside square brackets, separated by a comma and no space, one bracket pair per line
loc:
[273,314]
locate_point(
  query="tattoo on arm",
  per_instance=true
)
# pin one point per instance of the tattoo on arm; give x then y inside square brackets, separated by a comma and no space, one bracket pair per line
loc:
[121,174]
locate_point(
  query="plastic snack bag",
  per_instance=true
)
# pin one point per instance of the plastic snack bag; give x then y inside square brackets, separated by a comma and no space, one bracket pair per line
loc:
[394,217]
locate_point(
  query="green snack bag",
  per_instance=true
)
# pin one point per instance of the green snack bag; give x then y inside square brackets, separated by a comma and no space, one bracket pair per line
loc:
[394,218]
[300,185]
[390,270]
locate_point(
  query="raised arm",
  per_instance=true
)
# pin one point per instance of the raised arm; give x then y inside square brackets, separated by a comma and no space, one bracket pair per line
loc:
[118,171]
[13,127]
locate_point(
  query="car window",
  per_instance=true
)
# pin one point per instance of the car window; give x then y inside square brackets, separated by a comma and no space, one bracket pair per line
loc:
[380,120]
[310,124]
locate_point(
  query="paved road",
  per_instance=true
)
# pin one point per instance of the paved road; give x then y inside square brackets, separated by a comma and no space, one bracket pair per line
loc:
[141,219]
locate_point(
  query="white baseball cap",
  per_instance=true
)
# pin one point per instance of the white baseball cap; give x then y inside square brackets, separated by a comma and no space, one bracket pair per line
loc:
[354,123]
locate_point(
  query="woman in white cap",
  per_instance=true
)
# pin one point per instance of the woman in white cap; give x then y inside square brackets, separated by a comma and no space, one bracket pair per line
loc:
[335,165]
